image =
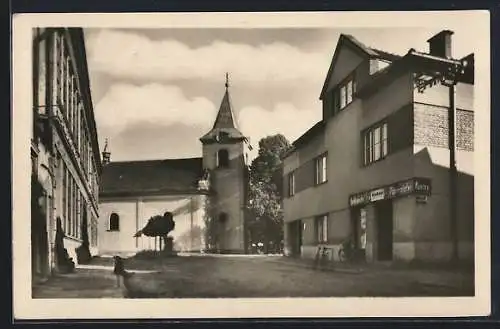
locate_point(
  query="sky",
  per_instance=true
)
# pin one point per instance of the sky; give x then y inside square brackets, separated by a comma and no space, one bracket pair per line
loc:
[157,91]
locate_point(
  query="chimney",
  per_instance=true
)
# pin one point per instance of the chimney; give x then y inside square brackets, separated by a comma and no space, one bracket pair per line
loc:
[106,155]
[440,44]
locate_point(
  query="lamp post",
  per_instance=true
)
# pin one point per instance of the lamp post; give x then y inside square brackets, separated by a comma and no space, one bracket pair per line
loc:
[449,77]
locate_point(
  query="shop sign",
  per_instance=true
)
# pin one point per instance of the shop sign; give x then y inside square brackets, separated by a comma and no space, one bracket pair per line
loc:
[378,194]
[359,199]
[418,186]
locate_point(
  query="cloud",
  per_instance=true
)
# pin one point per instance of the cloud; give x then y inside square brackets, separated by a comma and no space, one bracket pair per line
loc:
[124,104]
[134,56]
[284,118]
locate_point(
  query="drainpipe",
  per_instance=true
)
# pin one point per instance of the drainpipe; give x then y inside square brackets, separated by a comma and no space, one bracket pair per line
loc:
[453,172]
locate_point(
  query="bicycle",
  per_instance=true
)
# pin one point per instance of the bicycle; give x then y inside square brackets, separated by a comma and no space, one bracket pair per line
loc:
[321,259]
[346,251]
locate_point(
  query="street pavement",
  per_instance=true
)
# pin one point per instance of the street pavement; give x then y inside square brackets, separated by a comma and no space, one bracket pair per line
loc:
[205,276]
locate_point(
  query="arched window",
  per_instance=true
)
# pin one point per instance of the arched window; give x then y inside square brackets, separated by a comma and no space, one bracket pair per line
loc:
[114,222]
[222,217]
[223,158]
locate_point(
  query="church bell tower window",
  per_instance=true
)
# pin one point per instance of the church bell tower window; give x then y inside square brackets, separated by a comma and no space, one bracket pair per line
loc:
[223,158]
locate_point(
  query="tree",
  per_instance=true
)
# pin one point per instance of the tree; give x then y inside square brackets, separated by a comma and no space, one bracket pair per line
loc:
[211,227]
[264,196]
[158,226]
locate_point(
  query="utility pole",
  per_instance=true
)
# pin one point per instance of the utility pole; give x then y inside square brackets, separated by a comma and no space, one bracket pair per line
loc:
[449,78]
[453,171]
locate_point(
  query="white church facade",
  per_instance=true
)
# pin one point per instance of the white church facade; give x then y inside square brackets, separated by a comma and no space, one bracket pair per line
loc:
[203,193]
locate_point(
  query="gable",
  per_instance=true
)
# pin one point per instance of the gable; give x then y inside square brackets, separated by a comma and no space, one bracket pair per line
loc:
[344,62]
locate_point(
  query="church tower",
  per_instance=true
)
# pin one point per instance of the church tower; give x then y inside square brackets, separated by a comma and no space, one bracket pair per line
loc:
[224,158]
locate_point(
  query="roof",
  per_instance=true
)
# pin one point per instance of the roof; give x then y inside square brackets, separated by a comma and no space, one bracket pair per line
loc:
[362,49]
[306,137]
[224,122]
[384,55]
[418,62]
[173,176]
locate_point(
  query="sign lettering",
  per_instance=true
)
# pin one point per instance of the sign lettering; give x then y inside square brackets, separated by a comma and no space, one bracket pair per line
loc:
[419,186]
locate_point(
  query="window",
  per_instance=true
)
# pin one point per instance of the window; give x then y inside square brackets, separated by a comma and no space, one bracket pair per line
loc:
[223,158]
[64,196]
[114,222]
[322,228]
[223,217]
[291,184]
[362,224]
[321,169]
[345,92]
[375,143]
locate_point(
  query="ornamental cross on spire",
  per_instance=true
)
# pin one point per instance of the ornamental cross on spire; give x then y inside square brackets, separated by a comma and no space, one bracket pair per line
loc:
[227,80]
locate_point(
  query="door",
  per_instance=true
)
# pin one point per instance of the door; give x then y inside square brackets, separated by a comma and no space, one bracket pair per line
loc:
[295,231]
[298,228]
[383,213]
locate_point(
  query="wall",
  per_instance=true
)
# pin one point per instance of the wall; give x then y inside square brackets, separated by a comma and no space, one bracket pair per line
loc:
[390,100]
[347,60]
[60,149]
[135,212]
[433,228]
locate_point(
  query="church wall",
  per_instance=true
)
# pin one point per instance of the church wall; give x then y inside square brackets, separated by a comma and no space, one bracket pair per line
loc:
[134,213]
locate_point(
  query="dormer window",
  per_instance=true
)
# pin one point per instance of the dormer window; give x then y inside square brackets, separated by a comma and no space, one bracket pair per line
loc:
[345,92]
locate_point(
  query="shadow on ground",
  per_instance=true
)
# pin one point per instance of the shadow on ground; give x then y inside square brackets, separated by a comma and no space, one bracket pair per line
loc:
[212,277]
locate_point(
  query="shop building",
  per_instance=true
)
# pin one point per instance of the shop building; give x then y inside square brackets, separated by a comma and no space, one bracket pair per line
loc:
[378,168]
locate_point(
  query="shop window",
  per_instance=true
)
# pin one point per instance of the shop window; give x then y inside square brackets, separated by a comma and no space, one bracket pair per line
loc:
[321,169]
[322,228]
[114,222]
[375,143]
[223,158]
[291,184]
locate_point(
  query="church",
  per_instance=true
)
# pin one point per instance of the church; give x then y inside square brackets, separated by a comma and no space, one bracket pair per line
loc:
[206,195]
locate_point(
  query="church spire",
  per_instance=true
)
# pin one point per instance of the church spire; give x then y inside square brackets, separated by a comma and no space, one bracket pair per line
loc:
[224,122]
[225,116]
[106,154]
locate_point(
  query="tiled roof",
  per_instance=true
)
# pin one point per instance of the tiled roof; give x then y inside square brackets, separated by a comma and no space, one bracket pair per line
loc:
[151,177]
[306,137]
[382,54]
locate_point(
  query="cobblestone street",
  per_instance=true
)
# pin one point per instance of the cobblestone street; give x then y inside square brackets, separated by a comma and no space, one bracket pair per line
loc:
[259,276]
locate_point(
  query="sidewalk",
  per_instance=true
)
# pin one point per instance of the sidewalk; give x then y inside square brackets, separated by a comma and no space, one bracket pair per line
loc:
[83,283]
[439,277]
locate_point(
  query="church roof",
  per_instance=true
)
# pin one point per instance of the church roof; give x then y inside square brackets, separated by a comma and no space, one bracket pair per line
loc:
[151,177]
[224,122]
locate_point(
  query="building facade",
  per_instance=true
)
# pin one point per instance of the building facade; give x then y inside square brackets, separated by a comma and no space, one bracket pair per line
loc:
[64,148]
[376,169]
[205,194]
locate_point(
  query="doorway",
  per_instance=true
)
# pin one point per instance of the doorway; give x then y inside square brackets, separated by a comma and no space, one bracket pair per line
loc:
[39,238]
[295,229]
[384,214]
